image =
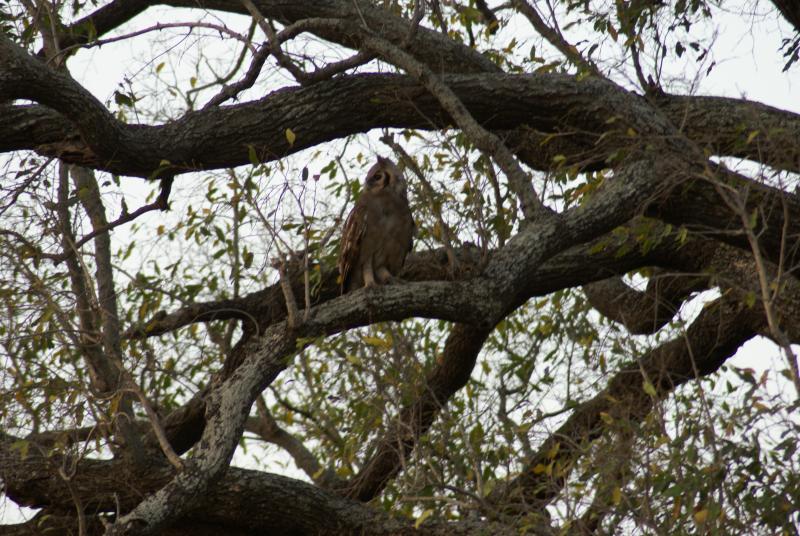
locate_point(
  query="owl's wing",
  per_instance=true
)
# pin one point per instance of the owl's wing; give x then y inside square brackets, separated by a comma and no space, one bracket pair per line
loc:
[354,229]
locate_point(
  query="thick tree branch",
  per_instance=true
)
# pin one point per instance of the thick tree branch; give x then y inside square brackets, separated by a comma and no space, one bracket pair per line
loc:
[701,208]
[104,371]
[451,373]
[548,103]
[25,77]
[738,128]
[722,327]
[648,311]
[243,502]
[711,339]
[556,109]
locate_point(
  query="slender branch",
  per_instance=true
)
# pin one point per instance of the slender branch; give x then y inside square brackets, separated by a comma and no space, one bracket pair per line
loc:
[79,509]
[107,309]
[451,374]
[713,337]
[155,423]
[736,202]
[222,29]
[292,312]
[160,203]
[519,181]
[274,43]
[104,374]
[236,66]
[555,38]
[250,77]
[268,429]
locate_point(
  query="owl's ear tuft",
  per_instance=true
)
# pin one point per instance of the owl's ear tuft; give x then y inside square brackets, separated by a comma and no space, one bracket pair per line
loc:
[383,161]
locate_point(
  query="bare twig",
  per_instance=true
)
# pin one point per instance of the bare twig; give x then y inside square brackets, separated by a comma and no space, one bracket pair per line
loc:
[429,191]
[32,248]
[24,186]
[164,26]
[159,204]
[234,69]
[519,181]
[155,423]
[274,45]
[555,38]
[292,313]
[735,200]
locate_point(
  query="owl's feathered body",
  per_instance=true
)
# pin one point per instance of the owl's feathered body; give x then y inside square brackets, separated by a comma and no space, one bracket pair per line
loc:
[379,231]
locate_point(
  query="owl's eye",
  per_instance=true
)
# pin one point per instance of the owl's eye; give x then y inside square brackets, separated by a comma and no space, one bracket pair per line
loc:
[377,178]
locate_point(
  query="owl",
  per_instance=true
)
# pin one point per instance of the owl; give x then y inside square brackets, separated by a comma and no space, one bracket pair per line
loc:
[379,231]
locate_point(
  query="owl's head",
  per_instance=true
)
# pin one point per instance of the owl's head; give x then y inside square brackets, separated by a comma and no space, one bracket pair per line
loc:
[385,175]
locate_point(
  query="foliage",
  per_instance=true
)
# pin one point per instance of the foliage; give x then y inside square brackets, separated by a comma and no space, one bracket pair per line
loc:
[591,420]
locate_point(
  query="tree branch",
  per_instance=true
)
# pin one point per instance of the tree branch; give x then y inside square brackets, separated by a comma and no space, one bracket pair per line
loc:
[104,370]
[555,38]
[712,338]
[243,502]
[452,372]
[643,312]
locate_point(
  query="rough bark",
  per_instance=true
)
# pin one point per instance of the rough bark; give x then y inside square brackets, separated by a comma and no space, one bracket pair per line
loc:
[711,339]
[658,150]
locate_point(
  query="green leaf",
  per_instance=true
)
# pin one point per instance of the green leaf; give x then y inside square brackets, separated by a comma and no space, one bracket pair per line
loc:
[22,446]
[252,156]
[354,360]
[123,99]
[753,220]
[421,519]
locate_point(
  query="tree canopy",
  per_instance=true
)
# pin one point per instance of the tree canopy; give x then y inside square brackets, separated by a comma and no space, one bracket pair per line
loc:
[599,232]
